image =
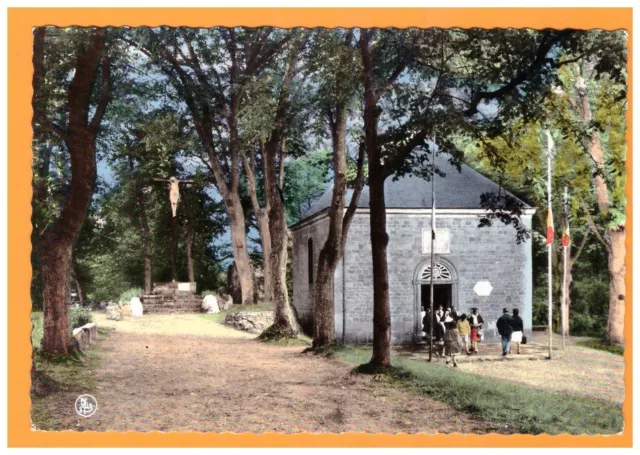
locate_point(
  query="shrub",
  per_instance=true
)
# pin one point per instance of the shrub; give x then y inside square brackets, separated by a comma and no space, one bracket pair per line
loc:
[79,317]
[127,295]
[586,324]
[207,292]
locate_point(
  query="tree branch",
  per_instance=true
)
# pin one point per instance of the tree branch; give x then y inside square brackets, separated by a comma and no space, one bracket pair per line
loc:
[574,257]
[539,61]
[593,226]
[355,196]
[105,94]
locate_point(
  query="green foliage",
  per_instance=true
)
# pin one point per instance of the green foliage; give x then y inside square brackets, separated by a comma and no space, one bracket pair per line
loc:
[518,408]
[126,296]
[305,179]
[208,292]
[79,317]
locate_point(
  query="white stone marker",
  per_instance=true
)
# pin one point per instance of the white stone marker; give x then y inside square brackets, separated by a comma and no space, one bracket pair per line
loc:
[136,307]
[210,304]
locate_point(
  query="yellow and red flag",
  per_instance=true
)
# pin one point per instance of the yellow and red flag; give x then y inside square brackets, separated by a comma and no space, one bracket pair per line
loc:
[550,233]
[566,238]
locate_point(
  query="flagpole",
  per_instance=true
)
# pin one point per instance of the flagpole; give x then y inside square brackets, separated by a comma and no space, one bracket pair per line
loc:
[563,306]
[549,243]
[433,237]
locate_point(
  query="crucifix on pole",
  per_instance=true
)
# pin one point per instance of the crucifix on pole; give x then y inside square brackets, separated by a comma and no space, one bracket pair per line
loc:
[174,198]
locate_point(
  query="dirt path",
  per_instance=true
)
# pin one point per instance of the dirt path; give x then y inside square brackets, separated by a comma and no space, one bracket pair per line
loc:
[159,382]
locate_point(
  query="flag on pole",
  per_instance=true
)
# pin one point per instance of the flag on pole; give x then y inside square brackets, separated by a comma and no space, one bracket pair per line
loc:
[566,239]
[550,233]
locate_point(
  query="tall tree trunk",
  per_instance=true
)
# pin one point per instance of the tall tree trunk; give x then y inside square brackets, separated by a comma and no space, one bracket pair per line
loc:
[381,357]
[55,259]
[239,247]
[333,248]
[79,138]
[262,218]
[285,322]
[265,240]
[616,236]
[146,237]
[617,289]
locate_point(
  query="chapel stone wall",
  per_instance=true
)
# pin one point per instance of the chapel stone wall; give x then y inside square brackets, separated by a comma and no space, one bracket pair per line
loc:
[316,230]
[477,254]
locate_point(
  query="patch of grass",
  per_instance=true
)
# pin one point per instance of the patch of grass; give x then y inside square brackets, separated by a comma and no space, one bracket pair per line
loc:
[523,409]
[37,328]
[219,317]
[71,371]
[602,345]
[300,340]
[277,334]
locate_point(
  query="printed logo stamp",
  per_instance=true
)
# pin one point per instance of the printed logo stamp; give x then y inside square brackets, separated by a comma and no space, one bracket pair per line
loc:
[86,405]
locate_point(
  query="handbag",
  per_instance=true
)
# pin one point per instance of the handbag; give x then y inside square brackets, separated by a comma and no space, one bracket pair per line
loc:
[524,339]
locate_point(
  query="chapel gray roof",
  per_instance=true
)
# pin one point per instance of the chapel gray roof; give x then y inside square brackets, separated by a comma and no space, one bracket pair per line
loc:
[456,190]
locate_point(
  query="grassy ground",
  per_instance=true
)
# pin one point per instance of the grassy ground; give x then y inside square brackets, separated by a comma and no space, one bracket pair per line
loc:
[301,340]
[601,345]
[178,324]
[511,407]
[74,376]
[519,408]
[219,317]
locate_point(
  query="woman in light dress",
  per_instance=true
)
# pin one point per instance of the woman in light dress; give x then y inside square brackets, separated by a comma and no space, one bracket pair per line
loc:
[518,330]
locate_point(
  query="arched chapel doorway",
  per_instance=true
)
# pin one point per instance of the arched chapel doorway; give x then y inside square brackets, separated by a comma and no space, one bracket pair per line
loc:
[445,290]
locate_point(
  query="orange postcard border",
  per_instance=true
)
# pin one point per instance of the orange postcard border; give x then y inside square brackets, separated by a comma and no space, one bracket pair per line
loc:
[20,24]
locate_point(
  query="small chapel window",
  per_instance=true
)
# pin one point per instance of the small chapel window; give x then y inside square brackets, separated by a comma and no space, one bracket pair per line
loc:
[440,273]
[310,260]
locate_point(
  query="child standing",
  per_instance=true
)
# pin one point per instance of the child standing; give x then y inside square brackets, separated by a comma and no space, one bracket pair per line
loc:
[464,330]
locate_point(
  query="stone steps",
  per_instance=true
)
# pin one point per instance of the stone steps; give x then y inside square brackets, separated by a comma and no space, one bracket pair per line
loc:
[171,310]
[180,302]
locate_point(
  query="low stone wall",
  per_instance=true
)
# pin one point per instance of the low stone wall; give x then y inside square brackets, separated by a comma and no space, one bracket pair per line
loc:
[86,335]
[250,322]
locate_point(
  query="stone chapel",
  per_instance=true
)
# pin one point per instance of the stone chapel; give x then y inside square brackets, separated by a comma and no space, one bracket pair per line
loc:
[481,267]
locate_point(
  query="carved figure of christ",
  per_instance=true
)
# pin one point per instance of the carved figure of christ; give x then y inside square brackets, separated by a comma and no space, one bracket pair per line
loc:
[174,191]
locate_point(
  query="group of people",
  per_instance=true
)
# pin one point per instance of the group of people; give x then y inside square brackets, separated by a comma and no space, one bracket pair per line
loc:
[453,333]
[511,329]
